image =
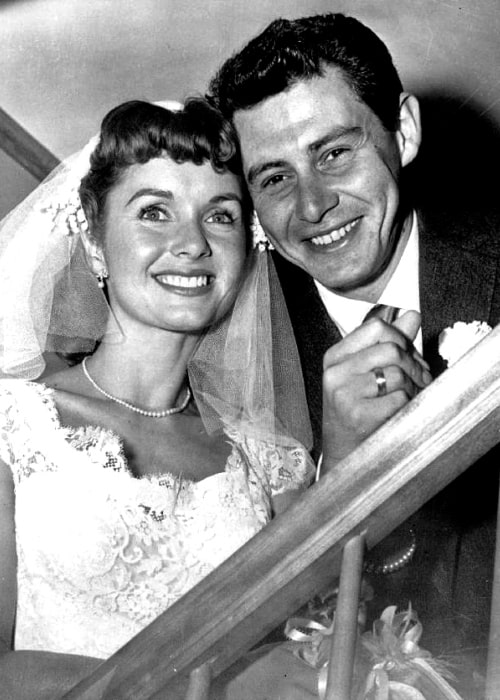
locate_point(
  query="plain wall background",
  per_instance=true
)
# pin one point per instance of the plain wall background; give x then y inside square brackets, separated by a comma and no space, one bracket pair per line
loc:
[64,63]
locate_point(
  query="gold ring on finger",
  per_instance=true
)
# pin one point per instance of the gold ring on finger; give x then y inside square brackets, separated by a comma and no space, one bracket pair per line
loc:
[380,381]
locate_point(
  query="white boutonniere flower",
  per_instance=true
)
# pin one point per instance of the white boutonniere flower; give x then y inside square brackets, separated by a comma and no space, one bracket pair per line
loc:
[461,337]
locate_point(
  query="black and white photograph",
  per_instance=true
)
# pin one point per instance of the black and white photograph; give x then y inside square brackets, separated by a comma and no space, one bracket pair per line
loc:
[249,354]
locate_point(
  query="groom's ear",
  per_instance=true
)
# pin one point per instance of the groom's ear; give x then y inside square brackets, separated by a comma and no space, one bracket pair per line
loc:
[409,132]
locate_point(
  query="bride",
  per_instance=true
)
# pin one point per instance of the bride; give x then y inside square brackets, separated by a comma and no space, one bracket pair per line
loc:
[128,476]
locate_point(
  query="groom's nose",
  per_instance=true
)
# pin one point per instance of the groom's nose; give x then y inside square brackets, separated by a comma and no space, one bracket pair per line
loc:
[314,197]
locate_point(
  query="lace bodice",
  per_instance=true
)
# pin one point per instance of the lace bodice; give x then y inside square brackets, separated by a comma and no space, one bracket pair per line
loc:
[101,553]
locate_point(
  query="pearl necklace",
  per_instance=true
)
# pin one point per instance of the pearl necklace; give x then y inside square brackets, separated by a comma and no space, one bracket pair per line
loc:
[130,406]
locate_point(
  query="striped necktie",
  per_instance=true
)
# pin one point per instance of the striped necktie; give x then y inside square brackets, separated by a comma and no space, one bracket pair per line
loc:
[382,311]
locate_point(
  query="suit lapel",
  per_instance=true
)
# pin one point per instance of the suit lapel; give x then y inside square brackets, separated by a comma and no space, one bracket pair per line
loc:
[457,283]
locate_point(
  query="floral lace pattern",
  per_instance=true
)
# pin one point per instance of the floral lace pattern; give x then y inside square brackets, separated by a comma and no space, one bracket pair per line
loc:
[101,553]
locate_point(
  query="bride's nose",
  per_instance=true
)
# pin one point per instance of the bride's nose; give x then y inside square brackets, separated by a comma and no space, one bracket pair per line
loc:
[190,240]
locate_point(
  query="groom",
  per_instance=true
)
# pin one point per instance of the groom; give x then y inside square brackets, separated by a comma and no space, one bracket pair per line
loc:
[327,136]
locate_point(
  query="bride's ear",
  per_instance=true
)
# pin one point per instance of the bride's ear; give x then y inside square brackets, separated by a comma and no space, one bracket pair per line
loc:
[95,257]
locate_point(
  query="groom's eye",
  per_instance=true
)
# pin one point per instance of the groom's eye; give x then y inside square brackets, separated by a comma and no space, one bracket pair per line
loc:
[335,154]
[274,180]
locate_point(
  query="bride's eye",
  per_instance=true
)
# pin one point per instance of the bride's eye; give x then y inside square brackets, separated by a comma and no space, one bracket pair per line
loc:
[153,213]
[220,217]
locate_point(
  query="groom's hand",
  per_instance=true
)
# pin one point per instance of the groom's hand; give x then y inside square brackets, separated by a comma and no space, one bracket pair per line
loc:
[367,377]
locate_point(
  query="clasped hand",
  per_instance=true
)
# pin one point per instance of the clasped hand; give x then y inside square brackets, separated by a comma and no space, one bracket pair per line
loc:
[353,405]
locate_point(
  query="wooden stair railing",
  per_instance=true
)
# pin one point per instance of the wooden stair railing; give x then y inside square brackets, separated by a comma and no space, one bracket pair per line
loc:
[492,690]
[24,148]
[424,447]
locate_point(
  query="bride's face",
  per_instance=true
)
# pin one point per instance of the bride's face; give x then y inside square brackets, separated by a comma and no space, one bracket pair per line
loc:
[174,245]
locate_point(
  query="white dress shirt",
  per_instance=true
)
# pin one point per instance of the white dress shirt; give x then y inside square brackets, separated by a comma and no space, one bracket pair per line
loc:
[402,291]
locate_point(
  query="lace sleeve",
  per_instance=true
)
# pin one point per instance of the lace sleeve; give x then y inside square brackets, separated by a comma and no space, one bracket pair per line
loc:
[289,468]
[26,410]
[7,423]
[278,468]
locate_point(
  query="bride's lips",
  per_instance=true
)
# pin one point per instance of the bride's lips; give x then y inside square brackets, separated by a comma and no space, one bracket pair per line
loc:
[334,235]
[194,283]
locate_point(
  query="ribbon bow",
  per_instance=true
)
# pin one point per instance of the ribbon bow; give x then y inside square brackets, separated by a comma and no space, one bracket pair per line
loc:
[402,670]
[313,637]
[314,645]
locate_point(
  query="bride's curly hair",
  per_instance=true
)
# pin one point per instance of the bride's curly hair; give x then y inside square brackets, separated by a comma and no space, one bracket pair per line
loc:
[137,131]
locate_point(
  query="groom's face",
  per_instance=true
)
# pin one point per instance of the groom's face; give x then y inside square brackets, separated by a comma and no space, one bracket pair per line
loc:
[324,176]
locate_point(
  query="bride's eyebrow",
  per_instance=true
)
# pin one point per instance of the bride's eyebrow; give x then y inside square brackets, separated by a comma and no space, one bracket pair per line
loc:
[226,197]
[152,192]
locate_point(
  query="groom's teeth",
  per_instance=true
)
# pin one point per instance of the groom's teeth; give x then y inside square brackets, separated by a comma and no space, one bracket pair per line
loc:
[333,235]
[182,281]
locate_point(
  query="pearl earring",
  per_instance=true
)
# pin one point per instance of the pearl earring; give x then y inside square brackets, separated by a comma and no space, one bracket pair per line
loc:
[101,276]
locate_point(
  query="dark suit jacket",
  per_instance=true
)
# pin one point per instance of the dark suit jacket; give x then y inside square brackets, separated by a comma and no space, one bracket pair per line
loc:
[459,281]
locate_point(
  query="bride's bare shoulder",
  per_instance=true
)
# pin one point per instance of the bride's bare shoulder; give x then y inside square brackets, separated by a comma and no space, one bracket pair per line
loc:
[69,387]
[74,403]
[65,380]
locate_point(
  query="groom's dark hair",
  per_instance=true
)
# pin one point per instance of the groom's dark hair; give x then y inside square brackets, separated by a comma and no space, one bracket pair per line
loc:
[288,51]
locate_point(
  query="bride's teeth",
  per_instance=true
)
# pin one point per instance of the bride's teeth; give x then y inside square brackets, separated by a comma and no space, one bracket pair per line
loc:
[182,281]
[333,235]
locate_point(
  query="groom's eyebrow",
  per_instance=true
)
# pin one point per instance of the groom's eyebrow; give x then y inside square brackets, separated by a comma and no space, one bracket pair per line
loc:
[338,132]
[152,192]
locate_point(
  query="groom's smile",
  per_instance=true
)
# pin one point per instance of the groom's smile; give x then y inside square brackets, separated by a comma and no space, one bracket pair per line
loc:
[337,234]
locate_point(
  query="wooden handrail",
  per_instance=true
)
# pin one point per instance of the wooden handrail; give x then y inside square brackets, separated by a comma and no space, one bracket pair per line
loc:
[24,148]
[424,447]
[493,675]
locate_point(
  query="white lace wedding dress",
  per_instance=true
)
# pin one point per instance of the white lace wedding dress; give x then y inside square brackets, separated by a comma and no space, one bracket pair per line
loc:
[101,553]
